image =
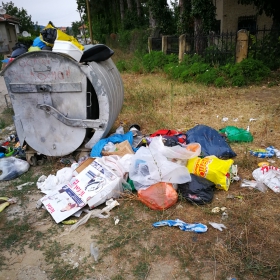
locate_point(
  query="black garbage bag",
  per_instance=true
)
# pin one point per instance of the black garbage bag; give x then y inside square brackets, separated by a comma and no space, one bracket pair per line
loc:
[49,35]
[200,190]
[97,53]
[18,49]
[212,143]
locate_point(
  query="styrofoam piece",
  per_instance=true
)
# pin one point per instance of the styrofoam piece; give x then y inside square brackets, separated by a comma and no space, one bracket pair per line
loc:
[67,48]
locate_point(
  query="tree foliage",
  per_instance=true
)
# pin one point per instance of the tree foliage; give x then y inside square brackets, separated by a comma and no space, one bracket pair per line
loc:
[25,22]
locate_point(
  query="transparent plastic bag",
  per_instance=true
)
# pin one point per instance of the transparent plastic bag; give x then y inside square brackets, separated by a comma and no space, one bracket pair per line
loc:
[12,168]
[176,152]
[149,167]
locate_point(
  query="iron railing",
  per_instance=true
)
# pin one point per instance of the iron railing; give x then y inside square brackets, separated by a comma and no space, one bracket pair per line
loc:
[214,48]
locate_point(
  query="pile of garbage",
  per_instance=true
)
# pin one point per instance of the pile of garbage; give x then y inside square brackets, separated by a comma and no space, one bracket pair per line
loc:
[53,39]
[158,167]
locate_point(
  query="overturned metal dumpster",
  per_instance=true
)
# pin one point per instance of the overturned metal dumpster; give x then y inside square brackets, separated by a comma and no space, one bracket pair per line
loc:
[61,105]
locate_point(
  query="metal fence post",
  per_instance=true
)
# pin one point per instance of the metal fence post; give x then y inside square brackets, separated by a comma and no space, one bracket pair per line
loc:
[182,47]
[241,45]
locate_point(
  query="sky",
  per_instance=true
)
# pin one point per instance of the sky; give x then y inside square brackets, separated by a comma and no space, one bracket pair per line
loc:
[60,12]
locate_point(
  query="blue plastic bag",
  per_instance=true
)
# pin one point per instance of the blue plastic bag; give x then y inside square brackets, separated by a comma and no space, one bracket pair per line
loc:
[198,228]
[116,138]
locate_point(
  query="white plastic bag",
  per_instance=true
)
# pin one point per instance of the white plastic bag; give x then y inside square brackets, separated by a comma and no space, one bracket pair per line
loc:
[175,152]
[12,168]
[148,167]
[269,175]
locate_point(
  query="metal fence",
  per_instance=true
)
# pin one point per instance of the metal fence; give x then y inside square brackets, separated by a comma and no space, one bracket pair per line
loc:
[214,48]
[221,48]
[156,44]
[264,42]
[172,45]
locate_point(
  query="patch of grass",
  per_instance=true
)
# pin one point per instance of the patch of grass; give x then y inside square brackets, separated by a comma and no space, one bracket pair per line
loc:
[2,124]
[141,270]
[14,235]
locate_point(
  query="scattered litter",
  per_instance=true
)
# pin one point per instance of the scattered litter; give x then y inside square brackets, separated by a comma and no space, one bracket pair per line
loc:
[263,153]
[224,119]
[263,163]
[25,184]
[197,227]
[94,251]
[220,227]
[5,202]
[78,213]
[69,222]
[39,204]
[218,209]
[224,216]
[12,168]
[53,182]
[235,120]
[251,120]
[277,153]
[97,213]
[117,220]
[271,161]
[268,175]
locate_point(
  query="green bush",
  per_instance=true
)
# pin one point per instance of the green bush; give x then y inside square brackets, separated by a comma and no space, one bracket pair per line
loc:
[208,77]
[238,81]
[252,70]
[154,61]
[121,65]
[220,82]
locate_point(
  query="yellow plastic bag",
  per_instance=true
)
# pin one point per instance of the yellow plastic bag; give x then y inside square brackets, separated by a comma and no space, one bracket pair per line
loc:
[213,169]
[61,36]
[34,49]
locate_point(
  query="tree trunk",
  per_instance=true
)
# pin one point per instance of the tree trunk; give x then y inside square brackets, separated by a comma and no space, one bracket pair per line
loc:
[181,7]
[122,10]
[198,35]
[138,8]
[129,5]
[152,21]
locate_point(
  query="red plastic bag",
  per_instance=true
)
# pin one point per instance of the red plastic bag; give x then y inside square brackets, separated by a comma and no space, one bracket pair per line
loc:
[162,132]
[159,196]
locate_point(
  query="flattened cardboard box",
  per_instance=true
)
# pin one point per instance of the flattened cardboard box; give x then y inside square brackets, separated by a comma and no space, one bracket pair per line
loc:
[93,186]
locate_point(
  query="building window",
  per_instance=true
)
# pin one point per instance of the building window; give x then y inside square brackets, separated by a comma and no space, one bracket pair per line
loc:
[217,26]
[249,23]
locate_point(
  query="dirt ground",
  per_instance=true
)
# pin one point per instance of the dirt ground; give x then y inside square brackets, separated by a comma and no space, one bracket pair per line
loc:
[133,249]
